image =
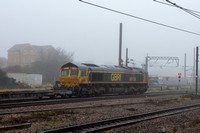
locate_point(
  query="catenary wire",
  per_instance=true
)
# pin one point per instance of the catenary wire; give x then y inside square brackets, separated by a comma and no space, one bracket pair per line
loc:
[184,9]
[150,21]
[174,6]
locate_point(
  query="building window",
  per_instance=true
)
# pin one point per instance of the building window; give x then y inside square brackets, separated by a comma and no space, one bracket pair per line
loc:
[24,60]
[32,52]
[25,52]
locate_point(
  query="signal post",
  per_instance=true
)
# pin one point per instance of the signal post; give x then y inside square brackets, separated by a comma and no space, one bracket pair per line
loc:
[179,81]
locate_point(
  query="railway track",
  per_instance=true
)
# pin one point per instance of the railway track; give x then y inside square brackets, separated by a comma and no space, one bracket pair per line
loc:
[64,109]
[74,100]
[21,100]
[17,100]
[118,122]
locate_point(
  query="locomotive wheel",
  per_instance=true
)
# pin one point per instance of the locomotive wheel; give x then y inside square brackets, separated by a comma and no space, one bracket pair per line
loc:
[130,90]
[83,92]
[142,90]
[133,90]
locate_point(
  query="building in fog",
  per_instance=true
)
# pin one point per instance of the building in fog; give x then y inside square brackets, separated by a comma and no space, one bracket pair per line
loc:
[3,62]
[25,54]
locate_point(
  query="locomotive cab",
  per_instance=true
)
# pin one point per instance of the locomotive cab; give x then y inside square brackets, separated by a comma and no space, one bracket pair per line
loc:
[69,76]
[72,76]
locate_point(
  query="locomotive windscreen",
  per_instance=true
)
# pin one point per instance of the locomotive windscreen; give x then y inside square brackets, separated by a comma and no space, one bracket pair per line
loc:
[65,72]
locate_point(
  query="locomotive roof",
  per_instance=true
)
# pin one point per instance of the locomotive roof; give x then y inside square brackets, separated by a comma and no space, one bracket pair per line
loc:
[93,67]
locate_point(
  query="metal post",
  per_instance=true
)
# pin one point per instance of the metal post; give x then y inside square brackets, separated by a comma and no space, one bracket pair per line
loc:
[179,83]
[120,45]
[126,57]
[185,67]
[194,69]
[146,64]
[197,60]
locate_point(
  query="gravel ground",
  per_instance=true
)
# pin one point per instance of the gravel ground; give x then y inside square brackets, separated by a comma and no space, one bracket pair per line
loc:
[185,122]
[188,122]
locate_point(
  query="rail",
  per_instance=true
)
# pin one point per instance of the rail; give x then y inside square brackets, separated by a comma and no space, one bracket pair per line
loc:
[113,123]
[34,102]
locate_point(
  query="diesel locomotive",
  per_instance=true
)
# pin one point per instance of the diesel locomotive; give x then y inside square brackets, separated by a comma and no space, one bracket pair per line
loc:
[92,80]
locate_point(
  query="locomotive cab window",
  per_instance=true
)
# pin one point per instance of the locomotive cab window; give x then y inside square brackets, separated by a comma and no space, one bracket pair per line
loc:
[65,73]
[74,73]
[83,73]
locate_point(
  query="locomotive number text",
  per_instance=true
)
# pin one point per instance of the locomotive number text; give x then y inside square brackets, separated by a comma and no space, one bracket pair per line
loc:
[133,78]
[116,77]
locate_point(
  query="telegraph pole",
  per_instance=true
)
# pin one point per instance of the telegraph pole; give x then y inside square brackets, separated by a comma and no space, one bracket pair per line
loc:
[194,68]
[185,67]
[126,57]
[120,45]
[197,60]
[146,63]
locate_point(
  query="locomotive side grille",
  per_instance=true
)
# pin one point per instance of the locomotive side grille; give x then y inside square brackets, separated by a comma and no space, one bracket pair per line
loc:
[97,77]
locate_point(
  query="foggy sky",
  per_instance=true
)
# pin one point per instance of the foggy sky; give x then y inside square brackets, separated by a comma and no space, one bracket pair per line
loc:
[92,34]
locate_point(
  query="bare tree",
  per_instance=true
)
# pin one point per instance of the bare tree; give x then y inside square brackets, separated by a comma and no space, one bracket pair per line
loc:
[3,62]
[49,64]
